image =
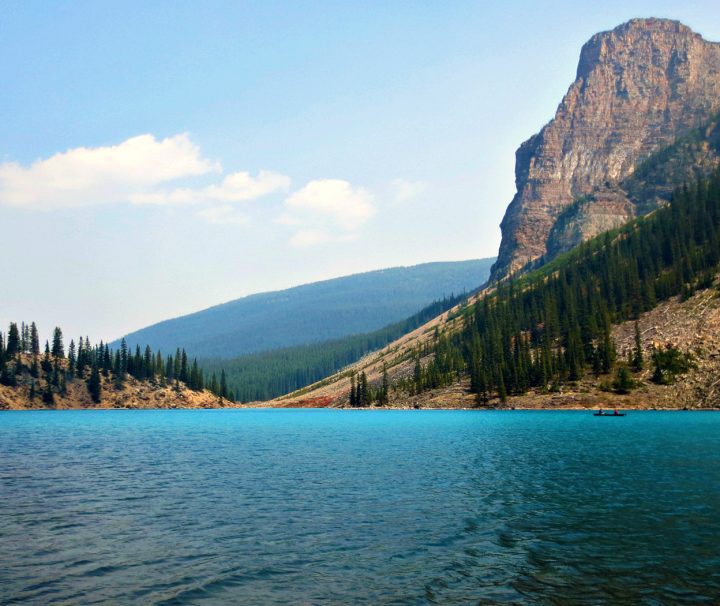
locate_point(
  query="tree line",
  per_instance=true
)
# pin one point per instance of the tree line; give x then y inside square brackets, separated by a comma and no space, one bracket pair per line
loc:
[266,375]
[48,373]
[554,325]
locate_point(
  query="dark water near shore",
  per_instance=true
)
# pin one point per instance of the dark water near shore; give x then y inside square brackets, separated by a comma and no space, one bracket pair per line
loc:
[341,507]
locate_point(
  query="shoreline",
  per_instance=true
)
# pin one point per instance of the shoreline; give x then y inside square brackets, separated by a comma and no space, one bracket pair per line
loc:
[376,409]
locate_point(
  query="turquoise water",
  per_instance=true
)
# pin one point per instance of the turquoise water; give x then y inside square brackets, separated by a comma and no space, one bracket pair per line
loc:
[359,507]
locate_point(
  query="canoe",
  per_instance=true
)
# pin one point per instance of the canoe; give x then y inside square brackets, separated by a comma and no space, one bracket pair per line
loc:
[609,414]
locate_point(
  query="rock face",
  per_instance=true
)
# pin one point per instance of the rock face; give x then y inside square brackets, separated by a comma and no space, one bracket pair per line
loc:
[638,88]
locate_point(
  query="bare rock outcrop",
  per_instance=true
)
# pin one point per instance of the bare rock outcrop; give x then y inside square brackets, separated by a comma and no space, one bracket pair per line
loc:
[638,88]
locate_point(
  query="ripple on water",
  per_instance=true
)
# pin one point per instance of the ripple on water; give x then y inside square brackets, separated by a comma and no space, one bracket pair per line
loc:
[320,507]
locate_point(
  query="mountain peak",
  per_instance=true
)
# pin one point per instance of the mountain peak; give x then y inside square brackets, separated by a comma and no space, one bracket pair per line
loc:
[637,36]
[638,87]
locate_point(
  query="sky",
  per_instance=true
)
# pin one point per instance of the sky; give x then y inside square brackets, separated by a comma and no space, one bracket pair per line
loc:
[157,158]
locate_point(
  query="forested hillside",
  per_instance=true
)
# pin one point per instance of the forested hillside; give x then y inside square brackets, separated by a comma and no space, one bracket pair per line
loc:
[86,375]
[266,375]
[315,312]
[553,325]
[550,336]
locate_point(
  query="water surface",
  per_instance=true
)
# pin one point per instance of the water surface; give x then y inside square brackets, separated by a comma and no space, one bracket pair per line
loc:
[359,507]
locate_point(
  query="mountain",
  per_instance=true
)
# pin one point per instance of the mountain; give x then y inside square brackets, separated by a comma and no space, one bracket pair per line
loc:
[629,318]
[268,374]
[638,89]
[313,313]
[616,226]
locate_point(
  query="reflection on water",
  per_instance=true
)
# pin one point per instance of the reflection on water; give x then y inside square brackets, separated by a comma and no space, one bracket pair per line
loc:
[328,507]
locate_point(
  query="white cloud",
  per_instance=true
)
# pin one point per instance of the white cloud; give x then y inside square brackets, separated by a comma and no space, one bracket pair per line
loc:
[405,191]
[222,215]
[89,176]
[137,170]
[331,199]
[236,187]
[313,237]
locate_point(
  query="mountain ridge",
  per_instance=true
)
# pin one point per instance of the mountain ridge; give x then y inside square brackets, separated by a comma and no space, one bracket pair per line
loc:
[688,155]
[638,88]
[557,336]
[314,312]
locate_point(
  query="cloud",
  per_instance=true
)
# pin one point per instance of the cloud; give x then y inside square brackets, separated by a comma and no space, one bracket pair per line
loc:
[236,187]
[313,237]
[222,215]
[102,175]
[331,201]
[138,170]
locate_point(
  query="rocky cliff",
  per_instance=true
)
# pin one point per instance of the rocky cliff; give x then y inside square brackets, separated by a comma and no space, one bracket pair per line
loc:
[638,89]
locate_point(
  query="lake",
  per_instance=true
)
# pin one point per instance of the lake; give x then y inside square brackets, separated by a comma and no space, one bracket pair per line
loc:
[359,507]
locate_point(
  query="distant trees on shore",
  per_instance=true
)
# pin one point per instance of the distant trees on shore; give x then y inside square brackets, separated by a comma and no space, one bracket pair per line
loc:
[22,364]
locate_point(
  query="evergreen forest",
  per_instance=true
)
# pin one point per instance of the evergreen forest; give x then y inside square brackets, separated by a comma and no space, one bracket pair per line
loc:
[553,325]
[266,375]
[46,374]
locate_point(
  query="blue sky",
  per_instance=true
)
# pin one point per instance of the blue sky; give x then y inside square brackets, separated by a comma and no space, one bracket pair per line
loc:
[158,158]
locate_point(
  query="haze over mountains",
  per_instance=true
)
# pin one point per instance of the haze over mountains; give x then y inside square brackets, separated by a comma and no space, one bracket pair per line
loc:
[314,312]
[639,123]
[640,119]
[610,254]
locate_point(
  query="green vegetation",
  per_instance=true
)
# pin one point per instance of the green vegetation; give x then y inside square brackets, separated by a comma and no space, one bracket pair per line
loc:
[363,395]
[554,324]
[624,382]
[313,313]
[668,363]
[21,365]
[270,374]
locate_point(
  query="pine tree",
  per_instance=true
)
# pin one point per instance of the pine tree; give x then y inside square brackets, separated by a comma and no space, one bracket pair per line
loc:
[12,348]
[502,390]
[177,363]
[353,391]
[124,358]
[148,366]
[58,350]
[223,385]
[184,372]
[170,369]
[107,362]
[214,385]
[94,384]
[363,393]
[34,340]
[6,376]
[72,359]
[81,359]
[118,374]
[385,387]
[24,338]
[48,396]
[46,363]
[637,358]
[623,382]
[35,368]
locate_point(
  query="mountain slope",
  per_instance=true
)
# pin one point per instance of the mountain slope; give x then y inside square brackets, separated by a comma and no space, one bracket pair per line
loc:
[268,374]
[315,312]
[551,331]
[638,88]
